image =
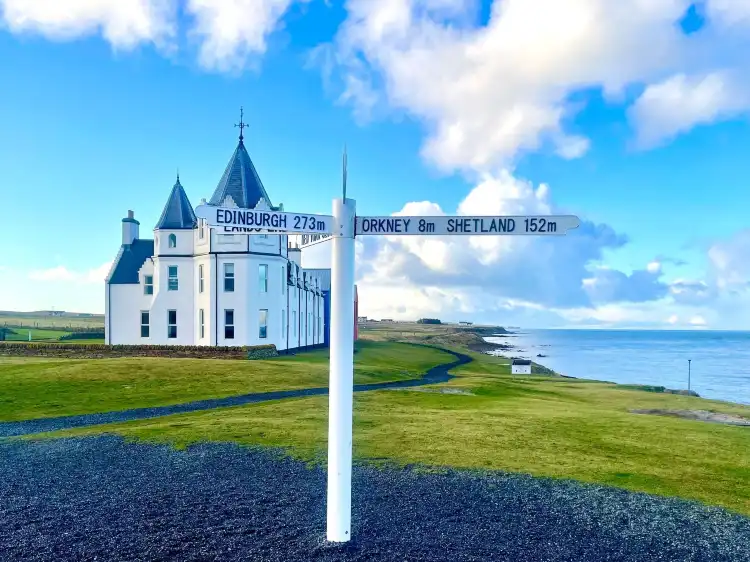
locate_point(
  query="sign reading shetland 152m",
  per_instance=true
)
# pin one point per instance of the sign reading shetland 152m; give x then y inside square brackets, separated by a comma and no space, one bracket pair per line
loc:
[470,226]
[252,221]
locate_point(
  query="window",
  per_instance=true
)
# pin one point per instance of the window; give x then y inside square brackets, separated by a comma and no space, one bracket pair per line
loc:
[309,322]
[144,324]
[263,324]
[283,280]
[171,324]
[263,236]
[200,278]
[229,324]
[228,277]
[148,284]
[283,324]
[263,277]
[172,284]
[320,326]
[202,230]
[294,322]
[172,241]
[202,323]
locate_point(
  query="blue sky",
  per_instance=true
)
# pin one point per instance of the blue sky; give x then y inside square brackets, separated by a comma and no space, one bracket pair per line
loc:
[462,105]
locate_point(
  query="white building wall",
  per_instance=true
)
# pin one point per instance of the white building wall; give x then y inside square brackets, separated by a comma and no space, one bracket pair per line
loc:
[521,369]
[204,299]
[180,300]
[293,311]
[123,325]
[183,238]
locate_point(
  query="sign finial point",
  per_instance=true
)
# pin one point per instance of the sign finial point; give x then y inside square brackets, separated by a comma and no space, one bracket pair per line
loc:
[344,172]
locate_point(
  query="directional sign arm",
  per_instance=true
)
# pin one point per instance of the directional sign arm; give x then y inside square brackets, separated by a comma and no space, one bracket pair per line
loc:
[538,225]
[250,221]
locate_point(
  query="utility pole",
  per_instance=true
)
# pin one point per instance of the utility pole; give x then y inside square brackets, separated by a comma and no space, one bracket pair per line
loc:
[689,360]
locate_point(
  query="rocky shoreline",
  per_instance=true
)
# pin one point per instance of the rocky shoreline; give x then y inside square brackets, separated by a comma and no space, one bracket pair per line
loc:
[537,368]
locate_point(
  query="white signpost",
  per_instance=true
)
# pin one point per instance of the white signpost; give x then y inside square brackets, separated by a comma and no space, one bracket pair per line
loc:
[341,228]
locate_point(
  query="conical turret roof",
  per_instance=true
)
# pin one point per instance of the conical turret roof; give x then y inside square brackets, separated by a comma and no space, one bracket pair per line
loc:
[178,213]
[240,182]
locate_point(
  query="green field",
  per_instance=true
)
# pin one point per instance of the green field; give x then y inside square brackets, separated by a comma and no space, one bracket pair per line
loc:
[546,426]
[41,387]
[542,425]
[48,321]
[47,328]
[22,334]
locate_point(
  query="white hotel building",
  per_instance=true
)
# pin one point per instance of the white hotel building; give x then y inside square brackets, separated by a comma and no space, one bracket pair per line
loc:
[195,285]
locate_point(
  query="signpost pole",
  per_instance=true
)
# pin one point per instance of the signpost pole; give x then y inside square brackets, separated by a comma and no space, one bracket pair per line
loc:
[341,385]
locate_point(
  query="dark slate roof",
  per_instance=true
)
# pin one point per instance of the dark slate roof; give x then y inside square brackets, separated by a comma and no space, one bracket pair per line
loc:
[521,362]
[241,182]
[178,212]
[129,261]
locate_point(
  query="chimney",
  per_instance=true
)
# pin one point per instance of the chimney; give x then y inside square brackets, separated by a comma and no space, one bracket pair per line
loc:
[129,229]
[295,255]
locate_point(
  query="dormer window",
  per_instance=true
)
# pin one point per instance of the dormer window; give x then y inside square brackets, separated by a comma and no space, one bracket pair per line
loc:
[172,241]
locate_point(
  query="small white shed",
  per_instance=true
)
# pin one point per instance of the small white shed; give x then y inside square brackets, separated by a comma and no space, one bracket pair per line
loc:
[521,367]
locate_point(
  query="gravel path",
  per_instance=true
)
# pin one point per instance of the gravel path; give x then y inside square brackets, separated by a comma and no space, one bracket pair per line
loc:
[103,499]
[435,375]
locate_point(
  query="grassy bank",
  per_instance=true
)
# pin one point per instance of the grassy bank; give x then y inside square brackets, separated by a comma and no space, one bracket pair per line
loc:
[35,387]
[546,426]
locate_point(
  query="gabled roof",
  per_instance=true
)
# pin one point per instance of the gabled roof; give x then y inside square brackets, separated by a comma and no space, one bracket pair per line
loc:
[129,261]
[178,212]
[522,362]
[240,182]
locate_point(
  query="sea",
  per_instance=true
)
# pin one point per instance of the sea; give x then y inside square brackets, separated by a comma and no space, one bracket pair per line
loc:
[719,361]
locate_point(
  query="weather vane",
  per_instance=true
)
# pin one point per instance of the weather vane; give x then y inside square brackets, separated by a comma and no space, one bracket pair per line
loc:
[241,124]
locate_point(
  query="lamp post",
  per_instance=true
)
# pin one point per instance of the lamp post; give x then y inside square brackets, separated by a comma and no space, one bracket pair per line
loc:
[689,360]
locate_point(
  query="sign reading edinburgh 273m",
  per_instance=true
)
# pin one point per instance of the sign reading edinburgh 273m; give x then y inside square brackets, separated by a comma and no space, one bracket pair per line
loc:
[251,220]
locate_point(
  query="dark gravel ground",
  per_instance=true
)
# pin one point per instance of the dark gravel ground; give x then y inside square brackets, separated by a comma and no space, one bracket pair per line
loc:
[106,500]
[9,429]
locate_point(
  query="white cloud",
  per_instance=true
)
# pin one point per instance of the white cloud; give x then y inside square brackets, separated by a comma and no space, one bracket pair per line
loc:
[489,92]
[63,274]
[231,31]
[681,102]
[124,23]
[730,262]
[534,280]
[59,273]
[697,320]
[228,32]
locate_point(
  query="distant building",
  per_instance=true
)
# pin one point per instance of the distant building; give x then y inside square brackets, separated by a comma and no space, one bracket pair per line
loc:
[521,367]
[361,319]
[192,284]
[466,323]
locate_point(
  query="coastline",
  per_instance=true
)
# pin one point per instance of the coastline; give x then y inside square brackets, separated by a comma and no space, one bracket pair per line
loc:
[506,350]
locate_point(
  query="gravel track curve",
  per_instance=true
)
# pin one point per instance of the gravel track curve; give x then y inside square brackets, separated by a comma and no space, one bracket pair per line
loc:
[101,498]
[437,374]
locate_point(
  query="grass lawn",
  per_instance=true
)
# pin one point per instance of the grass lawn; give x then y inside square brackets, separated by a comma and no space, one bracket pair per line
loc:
[22,334]
[546,426]
[62,322]
[41,387]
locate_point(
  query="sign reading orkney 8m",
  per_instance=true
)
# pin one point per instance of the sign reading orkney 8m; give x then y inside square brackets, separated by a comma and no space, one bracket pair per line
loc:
[471,226]
[252,220]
